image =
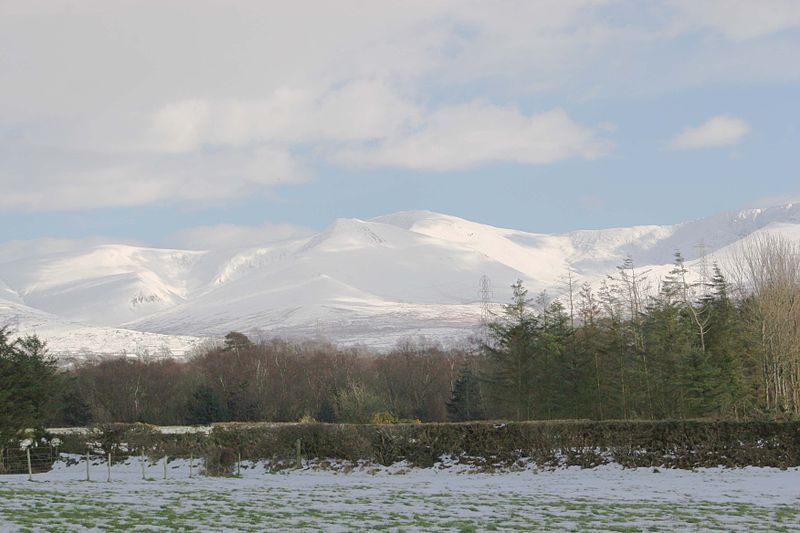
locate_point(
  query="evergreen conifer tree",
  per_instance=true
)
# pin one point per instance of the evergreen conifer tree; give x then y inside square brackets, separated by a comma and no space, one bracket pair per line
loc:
[510,358]
[204,407]
[465,403]
[727,345]
[29,385]
[699,384]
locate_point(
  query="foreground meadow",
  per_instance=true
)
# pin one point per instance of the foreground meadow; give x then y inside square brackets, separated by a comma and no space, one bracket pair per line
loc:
[401,498]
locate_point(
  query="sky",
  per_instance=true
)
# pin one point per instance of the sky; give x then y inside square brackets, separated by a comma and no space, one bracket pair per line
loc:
[202,124]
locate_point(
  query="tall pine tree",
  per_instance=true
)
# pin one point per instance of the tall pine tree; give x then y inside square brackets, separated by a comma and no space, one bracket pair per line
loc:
[509,375]
[465,402]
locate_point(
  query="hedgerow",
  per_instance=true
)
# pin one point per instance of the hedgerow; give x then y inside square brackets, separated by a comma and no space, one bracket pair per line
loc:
[671,444]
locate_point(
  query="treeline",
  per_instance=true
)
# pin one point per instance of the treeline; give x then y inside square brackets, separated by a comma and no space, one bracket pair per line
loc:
[694,346]
[271,381]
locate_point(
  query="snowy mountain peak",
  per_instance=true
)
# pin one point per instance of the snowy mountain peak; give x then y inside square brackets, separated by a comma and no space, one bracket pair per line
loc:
[353,234]
[408,219]
[371,281]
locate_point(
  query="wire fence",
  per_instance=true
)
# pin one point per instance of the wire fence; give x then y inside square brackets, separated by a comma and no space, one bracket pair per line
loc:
[146,464]
[31,460]
[100,466]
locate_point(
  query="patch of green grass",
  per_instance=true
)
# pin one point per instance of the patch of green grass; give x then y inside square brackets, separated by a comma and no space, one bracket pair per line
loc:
[188,507]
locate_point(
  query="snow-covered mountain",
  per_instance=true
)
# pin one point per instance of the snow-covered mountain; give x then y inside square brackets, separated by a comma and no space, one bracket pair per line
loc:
[372,282]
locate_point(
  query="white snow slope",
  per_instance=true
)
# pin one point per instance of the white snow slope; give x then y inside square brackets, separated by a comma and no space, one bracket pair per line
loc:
[370,282]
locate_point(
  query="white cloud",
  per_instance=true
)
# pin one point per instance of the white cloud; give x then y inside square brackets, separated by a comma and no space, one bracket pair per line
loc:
[739,20]
[197,151]
[477,132]
[721,130]
[224,236]
[180,126]
[244,51]
[205,178]
[365,123]
[139,103]
[142,55]
[360,110]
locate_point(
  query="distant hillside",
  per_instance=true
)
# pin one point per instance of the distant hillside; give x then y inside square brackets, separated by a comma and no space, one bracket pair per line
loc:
[371,282]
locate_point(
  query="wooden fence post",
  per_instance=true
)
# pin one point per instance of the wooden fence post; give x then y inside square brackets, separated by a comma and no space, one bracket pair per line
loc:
[109,467]
[298,455]
[141,461]
[165,466]
[30,470]
[87,465]
[239,465]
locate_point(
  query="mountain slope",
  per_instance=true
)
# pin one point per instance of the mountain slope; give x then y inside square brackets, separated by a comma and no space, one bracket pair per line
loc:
[104,285]
[77,342]
[370,281]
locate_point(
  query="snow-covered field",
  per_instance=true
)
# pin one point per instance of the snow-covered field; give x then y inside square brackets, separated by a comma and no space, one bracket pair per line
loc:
[399,498]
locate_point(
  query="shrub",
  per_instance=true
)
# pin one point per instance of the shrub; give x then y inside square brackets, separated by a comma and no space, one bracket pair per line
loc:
[356,404]
[383,417]
[220,461]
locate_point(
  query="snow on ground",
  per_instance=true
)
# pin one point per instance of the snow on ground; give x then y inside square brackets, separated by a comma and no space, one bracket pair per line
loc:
[604,498]
[74,342]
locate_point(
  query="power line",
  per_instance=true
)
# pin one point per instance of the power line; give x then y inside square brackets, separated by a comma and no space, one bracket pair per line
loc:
[486,295]
[701,250]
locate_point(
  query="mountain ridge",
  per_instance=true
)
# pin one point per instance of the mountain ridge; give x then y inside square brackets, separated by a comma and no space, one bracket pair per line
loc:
[358,281]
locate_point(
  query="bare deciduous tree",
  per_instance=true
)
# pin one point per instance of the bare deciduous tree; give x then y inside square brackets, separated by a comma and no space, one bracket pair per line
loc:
[767,268]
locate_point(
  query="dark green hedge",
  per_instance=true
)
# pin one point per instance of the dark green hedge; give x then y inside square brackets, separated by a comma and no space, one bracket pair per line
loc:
[680,444]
